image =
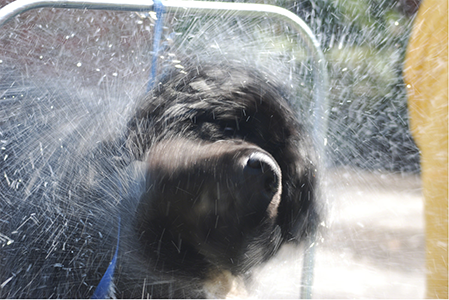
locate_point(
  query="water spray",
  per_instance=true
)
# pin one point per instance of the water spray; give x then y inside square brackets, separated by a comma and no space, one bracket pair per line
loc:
[304,34]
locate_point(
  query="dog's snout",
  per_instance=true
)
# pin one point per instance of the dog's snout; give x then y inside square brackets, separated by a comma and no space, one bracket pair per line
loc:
[222,178]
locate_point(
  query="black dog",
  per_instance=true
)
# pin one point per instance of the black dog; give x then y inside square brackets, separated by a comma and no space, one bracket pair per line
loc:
[212,176]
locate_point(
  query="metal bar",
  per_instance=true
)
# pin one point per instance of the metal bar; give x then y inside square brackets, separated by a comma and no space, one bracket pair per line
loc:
[321,81]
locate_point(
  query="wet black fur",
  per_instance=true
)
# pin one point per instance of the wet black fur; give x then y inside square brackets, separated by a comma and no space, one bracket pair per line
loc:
[184,136]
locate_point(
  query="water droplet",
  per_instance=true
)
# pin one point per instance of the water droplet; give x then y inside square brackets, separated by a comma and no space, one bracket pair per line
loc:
[153,15]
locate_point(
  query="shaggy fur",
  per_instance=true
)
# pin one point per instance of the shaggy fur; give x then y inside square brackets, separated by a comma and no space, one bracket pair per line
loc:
[213,174]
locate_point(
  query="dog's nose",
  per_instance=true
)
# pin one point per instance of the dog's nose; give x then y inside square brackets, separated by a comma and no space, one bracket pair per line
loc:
[265,168]
[263,178]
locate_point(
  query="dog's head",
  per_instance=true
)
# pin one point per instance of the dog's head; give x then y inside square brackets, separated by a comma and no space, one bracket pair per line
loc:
[230,171]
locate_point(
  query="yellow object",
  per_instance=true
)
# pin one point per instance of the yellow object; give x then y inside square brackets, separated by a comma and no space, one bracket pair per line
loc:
[426,76]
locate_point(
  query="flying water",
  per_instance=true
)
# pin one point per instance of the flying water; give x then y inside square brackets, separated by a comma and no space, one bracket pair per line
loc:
[70,79]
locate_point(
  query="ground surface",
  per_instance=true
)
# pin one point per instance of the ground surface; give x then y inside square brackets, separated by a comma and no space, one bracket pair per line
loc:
[373,246]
